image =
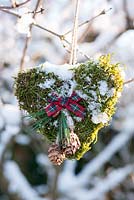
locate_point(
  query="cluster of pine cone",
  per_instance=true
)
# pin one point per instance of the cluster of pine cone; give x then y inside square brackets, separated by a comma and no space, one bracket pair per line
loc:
[57,155]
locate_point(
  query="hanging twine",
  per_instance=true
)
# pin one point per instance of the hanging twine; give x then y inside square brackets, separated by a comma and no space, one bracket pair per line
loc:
[73,56]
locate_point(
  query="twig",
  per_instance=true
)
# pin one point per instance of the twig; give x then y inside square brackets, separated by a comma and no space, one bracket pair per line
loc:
[19,182]
[14,5]
[61,37]
[74,35]
[114,146]
[78,50]
[38,11]
[55,185]
[114,178]
[129,81]
[103,12]
[104,185]
[11,13]
[24,53]
[49,31]
[86,175]
[28,38]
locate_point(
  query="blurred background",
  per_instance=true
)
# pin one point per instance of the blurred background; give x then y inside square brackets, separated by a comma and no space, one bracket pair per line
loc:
[106,172]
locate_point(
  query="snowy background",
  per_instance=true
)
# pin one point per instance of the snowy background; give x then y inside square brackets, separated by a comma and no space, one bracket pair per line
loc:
[107,171]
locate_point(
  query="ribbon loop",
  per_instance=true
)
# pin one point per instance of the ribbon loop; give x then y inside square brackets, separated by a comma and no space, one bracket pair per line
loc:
[69,103]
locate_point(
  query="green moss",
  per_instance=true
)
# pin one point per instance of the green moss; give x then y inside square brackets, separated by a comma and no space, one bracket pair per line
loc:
[33,99]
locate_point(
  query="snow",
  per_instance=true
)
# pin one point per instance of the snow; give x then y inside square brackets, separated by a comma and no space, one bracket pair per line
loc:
[43,160]
[130,6]
[78,119]
[126,57]
[6,136]
[22,139]
[82,95]
[115,145]
[62,71]
[1,122]
[70,121]
[23,23]
[68,88]
[112,36]
[18,183]
[111,92]
[42,189]
[125,122]
[122,72]
[103,87]
[93,93]
[67,175]
[102,186]
[11,114]
[99,118]
[94,106]
[47,84]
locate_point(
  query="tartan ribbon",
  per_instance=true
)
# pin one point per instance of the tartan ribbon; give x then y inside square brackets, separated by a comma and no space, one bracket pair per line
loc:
[69,103]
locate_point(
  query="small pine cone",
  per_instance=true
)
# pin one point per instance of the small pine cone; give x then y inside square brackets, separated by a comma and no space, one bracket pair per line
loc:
[55,155]
[73,145]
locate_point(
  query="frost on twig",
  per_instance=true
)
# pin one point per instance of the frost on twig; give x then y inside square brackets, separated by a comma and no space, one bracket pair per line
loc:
[28,27]
[23,24]
[114,146]
[103,186]
[85,177]
[15,4]
[18,183]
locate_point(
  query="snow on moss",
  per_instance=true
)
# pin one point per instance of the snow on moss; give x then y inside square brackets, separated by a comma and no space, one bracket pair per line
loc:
[47,84]
[100,118]
[64,72]
[103,87]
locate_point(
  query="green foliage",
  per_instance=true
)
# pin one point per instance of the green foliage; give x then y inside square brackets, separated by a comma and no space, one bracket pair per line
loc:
[34,99]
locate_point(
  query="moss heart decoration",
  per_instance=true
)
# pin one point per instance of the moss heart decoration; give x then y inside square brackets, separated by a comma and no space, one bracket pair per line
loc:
[70,99]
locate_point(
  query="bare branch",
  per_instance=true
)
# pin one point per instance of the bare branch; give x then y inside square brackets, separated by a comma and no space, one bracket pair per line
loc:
[104,185]
[61,37]
[114,146]
[11,13]
[14,5]
[38,11]
[68,50]
[103,12]
[24,53]
[129,81]
[49,31]
[28,38]
[78,50]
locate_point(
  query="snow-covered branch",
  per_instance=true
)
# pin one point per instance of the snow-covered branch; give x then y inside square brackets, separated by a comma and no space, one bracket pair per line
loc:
[103,186]
[93,166]
[114,146]
[18,183]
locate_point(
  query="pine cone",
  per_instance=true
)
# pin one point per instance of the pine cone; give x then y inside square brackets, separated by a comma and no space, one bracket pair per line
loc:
[73,145]
[55,155]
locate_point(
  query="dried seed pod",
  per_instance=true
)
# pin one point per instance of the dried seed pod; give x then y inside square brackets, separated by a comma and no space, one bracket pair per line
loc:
[55,155]
[72,146]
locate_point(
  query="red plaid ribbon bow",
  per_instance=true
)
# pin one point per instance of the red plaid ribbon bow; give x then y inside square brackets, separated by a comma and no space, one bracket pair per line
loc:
[70,103]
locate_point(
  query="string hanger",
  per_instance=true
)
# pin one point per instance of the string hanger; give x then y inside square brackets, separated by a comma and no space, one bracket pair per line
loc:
[73,55]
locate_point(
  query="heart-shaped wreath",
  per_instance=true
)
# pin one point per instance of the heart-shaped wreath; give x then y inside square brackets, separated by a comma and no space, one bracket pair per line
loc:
[70,103]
